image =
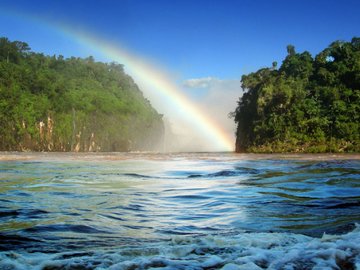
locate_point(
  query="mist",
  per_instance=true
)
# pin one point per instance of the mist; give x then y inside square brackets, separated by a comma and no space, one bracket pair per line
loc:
[193,121]
[181,137]
[217,99]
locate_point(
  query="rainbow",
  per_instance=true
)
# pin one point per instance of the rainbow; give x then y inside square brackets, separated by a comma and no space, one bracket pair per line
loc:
[156,80]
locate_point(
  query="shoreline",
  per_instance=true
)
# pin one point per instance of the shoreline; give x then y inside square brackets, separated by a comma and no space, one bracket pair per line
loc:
[114,156]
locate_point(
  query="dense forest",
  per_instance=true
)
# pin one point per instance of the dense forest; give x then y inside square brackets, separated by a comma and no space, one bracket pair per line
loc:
[49,103]
[306,105]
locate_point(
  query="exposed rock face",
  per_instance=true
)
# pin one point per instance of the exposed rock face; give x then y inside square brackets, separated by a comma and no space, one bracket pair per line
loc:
[45,138]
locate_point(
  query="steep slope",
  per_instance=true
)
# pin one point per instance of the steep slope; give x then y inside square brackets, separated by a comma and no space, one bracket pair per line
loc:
[57,104]
[307,105]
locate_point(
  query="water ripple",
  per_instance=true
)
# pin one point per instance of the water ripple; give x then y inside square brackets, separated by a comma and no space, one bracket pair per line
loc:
[147,199]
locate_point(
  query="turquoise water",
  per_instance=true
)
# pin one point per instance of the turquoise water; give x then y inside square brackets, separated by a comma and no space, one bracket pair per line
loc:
[179,211]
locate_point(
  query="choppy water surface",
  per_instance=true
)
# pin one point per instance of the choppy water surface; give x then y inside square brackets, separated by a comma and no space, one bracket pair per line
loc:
[179,211]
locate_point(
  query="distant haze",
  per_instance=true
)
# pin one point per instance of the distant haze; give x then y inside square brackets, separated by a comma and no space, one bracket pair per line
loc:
[214,97]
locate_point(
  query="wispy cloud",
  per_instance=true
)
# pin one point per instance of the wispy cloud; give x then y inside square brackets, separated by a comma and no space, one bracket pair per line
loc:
[200,82]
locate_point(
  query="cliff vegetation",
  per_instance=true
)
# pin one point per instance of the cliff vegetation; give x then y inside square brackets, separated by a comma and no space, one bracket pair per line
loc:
[308,104]
[49,103]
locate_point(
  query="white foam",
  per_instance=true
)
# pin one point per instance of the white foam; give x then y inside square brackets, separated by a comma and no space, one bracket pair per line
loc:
[243,251]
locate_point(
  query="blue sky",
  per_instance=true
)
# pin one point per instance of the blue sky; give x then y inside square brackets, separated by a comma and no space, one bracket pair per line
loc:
[222,39]
[205,45]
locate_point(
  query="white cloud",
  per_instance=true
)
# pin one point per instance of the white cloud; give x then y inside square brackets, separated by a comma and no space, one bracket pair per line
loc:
[200,82]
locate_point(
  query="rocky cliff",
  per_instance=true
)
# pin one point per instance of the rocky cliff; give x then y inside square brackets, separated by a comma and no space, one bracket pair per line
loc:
[49,103]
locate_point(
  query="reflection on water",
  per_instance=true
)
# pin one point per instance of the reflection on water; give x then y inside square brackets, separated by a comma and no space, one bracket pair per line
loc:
[56,203]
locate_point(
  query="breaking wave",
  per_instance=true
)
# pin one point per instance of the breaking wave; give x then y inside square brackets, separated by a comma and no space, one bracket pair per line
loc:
[228,252]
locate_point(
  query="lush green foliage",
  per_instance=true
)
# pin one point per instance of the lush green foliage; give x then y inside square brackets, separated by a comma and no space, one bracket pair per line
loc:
[56,104]
[307,105]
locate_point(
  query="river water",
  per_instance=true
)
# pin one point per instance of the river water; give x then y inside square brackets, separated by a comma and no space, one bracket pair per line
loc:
[179,211]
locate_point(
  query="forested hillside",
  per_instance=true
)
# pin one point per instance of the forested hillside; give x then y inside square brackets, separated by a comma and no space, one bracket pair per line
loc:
[49,103]
[306,105]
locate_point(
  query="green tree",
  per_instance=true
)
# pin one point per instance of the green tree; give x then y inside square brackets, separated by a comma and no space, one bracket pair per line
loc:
[50,103]
[307,105]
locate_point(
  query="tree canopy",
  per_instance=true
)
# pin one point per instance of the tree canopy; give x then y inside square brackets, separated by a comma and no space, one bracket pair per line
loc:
[49,103]
[306,105]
